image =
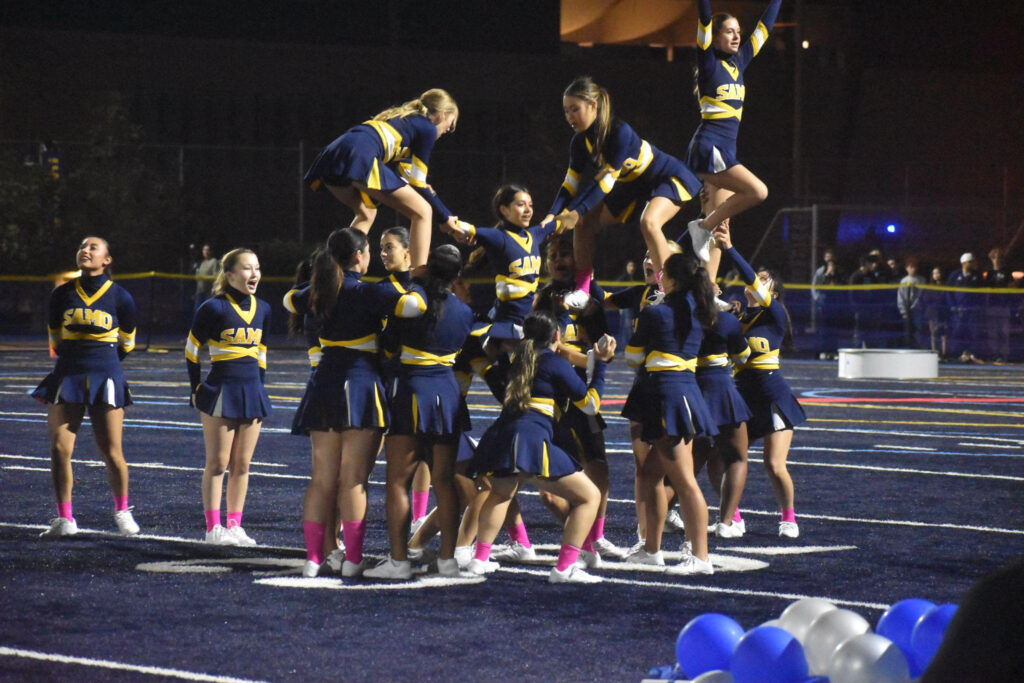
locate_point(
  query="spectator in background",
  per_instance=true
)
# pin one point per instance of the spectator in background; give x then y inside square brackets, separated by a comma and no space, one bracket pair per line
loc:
[207,266]
[826,306]
[965,307]
[864,327]
[908,300]
[997,308]
[936,312]
[628,273]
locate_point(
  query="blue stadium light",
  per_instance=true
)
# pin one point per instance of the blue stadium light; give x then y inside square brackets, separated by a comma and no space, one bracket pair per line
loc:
[891,228]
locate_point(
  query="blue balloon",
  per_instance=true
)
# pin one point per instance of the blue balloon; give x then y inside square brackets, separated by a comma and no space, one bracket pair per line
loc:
[768,654]
[928,634]
[706,643]
[898,622]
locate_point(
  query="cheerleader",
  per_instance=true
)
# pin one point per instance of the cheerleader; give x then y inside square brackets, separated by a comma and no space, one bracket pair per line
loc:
[233,401]
[426,413]
[629,170]
[519,446]
[344,410]
[721,61]
[91,323]
[671,409]
[357,167]
[774,410]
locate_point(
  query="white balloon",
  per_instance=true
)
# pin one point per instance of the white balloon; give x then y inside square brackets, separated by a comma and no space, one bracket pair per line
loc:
[868,658]
[716,676]
[827,632]
[798,616]
[772,622]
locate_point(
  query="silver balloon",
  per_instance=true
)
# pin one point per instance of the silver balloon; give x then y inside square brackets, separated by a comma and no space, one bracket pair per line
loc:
[772,622]
[716,676]
[798,616]
[868,658]
[826,633]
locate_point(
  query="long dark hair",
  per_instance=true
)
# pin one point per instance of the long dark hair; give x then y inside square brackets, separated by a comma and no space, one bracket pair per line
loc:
[303,271]
[443,266]
[584,88]
[505,195]
[691,276]
[538,332]
[329,263]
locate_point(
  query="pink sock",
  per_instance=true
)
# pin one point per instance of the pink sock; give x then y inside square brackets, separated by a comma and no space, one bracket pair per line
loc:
[597,531]
[314,534]
[420,499]
[588,544]
[212,519]
[583,278]
[567,556]
[64,510]
[789,515]
[518,534]
[736,516]
[234,519]
[483,551]
[120,503]
[354,532]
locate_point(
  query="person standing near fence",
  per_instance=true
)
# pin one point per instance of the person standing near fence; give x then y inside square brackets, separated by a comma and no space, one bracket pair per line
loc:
[233,401]
[936,313]
[965,308]
[91,323]
[206,271]
[997,308]
[908,300]
[826,306]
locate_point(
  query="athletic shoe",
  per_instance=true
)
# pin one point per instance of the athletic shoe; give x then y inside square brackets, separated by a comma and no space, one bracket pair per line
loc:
[352,569]
[643,557]
[514,552]
[686,548]
[723,530]
[450,568]
[691,566]
[218,535]
[238,533]
[392,569]
[588,560]
[574,574]
[673,522]
[606,548]
[463,555]
[576,300]
[723,306]
[789,530]
[414,554]
[416,524]
[60,526]
[701,239]
[126,525]
[479,567]
[335,559]
[310,569]
[639,545]
[656,298]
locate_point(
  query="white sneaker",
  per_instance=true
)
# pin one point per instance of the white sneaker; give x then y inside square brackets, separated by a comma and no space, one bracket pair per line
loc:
[415,526]
[218,535]
[479,567]
[723,530]
[673,522]
[701,239]
[691,566]
[723,306]
[414,554]
[352,569]
[588,560]
[514,552]
[310,569]
[463,555]
[576,300]
[335,559]
[60,526]
[789,530]
[126,525]
[639,545]
[643,557]
[656,298]
[606,548]
[238,533]
[574,574]
[686,549]
[450,568]
[392,569]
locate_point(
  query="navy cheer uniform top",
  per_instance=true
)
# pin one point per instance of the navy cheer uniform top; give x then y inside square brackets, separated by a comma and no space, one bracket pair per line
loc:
[91,325]
[723,347]
[233,325]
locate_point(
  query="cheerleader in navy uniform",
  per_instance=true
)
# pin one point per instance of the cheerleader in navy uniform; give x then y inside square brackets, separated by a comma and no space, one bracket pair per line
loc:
[721,61]
[672,410]
[427,413]
[629,170]
[357,167]
[344,409]
[519,446]
[91,322]
[774,410]
[232,402]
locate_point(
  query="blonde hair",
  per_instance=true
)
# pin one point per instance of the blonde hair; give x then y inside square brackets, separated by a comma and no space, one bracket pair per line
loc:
[584,88]
[228,263]
[433,101]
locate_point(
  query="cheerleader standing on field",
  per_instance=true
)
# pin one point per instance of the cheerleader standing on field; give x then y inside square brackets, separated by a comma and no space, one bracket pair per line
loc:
[629,170]
[721,61]
[774,410]
[357,168]
[519,446]
[233,401]
[672,409]
[91,323]
[344,409]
